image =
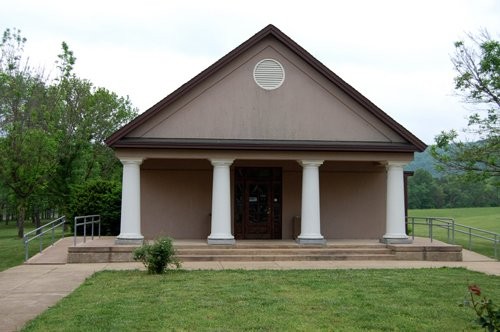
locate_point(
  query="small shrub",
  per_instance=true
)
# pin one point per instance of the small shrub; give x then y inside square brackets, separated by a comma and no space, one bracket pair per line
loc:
[488,313]
[156,257]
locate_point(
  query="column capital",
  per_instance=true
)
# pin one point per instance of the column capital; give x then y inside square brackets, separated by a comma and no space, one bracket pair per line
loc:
[311,163]
[391,164]
[131,160]
[222,162]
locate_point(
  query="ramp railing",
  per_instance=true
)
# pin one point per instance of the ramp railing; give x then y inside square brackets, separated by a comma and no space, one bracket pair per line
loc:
[40,232]
[84,221]
[453,229]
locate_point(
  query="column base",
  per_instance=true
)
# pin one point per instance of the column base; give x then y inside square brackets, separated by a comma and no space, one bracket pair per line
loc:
[320,241]
[129,239]
[402,240]
[221,241]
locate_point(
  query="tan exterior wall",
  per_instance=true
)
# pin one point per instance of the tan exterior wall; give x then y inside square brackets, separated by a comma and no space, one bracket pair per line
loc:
[292,187]
[177,201]
[230,105]
[239,155]
[352,205]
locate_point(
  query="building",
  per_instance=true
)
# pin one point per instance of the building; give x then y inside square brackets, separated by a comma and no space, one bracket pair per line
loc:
[265,143]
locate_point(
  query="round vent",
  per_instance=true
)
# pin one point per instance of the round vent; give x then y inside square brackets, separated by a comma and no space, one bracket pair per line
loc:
[269,74]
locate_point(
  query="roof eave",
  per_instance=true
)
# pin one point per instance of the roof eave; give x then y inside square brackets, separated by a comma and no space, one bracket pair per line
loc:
[263,145]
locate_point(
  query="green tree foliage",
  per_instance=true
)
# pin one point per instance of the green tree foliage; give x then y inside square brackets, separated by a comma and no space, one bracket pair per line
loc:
[451,191]
[98,197]
[477,64]
[424,191]
[52,132]
[86,117]
[27,147]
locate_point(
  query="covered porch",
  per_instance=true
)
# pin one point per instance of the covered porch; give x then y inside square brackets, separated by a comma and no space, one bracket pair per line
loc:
[225,196]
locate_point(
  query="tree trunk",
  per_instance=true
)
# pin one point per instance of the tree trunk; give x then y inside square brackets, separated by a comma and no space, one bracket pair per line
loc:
[21,214]
[36,215]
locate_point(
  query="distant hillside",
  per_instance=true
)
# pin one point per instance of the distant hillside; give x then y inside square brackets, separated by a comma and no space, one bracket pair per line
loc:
[424,160]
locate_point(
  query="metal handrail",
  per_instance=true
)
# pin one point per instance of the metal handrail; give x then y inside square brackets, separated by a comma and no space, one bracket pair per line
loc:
[452,227]
[91,219]
[39,234]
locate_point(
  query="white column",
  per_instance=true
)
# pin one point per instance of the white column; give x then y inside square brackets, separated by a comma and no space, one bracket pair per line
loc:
[130,225]
[310,225]
[395,231]
[221,203]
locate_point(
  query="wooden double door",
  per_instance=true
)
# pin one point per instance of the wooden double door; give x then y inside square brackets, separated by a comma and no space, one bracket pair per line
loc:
[257,193]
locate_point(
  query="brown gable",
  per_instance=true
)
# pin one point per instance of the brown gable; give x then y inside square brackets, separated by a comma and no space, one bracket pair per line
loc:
[119,139]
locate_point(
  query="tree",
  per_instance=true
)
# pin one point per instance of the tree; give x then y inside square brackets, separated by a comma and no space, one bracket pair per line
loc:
[102,196]
[27,150]
[87,115]
[52,132]
[423,191]
[477,64]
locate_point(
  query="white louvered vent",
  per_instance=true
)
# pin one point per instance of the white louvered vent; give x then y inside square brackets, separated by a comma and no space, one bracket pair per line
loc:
[269,74]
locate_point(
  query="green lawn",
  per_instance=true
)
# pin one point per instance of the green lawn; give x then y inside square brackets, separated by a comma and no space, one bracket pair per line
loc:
[12,247]
[293,300]
[485,218]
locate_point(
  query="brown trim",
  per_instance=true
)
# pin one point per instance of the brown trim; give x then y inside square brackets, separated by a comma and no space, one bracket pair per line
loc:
[270,30]
[260,145]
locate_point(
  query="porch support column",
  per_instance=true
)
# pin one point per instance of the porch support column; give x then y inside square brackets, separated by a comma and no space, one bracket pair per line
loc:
[221,203]
[130,224]
[395,205]
[310,225]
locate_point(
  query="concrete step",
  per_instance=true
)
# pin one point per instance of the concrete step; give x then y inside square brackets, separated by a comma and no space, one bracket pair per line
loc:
[105,250]
[254,251]
[269,252]
[292,251]
[291,257]
[271,245]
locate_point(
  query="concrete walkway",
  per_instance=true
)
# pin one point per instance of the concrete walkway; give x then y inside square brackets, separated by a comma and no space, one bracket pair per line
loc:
[28,290]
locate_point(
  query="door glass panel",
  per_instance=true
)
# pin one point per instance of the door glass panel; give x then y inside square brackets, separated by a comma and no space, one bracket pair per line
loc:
[258,203]
[240,204]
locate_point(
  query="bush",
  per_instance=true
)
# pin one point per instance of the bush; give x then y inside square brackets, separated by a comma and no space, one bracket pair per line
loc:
[98,197]
[156,257]
[488,313]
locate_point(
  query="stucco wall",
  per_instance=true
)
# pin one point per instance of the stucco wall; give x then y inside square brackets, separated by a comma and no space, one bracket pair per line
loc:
[353,205]
[177,201]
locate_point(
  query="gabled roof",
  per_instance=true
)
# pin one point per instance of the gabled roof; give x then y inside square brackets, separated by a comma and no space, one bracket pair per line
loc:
[118,139]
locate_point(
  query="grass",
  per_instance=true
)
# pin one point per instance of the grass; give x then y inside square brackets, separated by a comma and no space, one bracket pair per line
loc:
[293,300]
[487,218]
[12,247]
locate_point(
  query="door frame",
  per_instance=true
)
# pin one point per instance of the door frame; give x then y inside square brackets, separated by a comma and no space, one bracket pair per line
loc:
[274,177]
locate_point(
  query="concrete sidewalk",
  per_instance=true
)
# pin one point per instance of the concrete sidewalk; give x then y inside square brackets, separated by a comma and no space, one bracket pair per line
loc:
[28,290]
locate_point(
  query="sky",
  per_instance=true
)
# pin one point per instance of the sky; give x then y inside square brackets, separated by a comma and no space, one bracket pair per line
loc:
[394,52]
